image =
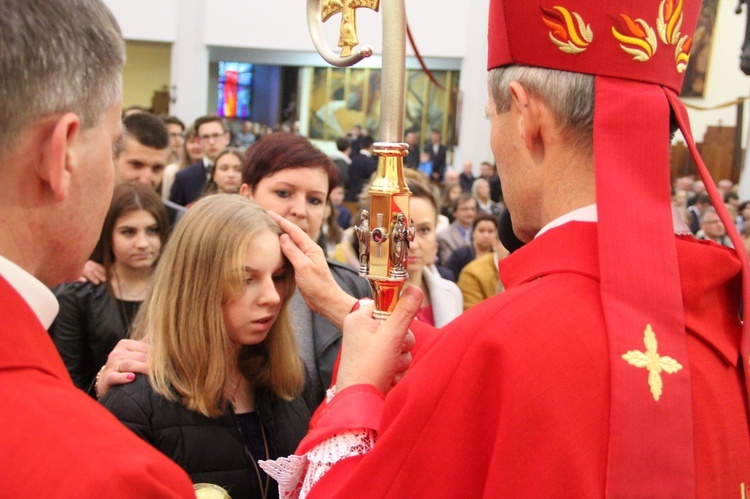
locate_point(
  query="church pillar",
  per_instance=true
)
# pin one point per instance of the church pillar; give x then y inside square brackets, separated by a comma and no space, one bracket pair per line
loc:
[189,79]
[474,131]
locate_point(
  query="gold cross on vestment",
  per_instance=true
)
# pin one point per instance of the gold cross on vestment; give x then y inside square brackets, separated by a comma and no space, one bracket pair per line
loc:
[652,361]
[348,9]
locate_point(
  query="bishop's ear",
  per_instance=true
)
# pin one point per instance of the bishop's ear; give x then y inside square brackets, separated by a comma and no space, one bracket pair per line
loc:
[59,158]
[526,110]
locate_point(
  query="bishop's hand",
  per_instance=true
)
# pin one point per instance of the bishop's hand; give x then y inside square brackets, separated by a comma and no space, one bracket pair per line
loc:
[377,352]
[311,273]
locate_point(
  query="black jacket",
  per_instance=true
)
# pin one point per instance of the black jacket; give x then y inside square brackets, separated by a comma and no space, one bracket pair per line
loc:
[438,160]
[188,184]
[88,327]
[210,450]
[360,171]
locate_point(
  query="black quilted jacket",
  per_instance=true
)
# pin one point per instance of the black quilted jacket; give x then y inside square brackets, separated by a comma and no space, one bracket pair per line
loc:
[209,449]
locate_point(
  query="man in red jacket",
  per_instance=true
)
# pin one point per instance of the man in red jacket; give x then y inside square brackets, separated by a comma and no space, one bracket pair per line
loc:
[60,104]
[614,363]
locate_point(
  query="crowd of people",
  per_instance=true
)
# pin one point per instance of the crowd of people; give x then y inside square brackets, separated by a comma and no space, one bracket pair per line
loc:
[202,291]
[208,156]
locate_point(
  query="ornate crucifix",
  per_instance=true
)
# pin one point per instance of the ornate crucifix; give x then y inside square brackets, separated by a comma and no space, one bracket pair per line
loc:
[348,9]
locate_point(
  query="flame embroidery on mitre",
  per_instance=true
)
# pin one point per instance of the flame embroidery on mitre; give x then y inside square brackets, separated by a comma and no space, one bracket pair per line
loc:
[568,30]
[636,38]
[682,53]
[669,22]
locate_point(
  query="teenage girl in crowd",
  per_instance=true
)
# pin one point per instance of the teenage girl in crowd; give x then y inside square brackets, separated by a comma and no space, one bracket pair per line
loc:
[94,317]
[226,177]
[225,380]
[284,173]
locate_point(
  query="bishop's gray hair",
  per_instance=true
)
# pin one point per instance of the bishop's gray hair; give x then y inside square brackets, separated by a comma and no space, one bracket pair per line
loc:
[57,56]
[569,96]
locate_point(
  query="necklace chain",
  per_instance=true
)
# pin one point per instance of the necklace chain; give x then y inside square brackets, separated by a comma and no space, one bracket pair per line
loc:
[262,486]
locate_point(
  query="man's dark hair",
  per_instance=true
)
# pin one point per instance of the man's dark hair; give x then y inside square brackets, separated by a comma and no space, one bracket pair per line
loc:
[173,120]
[209,118]
[367,142]
[147,129]
[483,216]
[133,109]
[731,195]
[461,199]
[702,199]
[342,144]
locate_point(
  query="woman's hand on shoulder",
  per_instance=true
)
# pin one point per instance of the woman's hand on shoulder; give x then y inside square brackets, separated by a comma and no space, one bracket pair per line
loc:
[94,273]
[129,357]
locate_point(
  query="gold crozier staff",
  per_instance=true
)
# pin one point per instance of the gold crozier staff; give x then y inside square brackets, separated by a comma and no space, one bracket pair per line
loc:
[386,237]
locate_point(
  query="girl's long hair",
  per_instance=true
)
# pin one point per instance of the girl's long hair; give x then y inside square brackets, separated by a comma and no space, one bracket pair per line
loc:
[129,196]
[201,270]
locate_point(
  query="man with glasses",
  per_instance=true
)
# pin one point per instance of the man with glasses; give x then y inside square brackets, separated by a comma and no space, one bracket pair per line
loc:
[458,233]
[188,183]
[712,229]
[176,129]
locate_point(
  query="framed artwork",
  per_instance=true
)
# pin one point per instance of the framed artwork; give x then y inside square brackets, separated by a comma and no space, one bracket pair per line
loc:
[700,53]
[343,98]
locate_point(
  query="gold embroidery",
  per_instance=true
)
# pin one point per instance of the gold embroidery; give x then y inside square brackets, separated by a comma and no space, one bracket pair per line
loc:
[636,38]
[568,30]
[348,8]
[652,361]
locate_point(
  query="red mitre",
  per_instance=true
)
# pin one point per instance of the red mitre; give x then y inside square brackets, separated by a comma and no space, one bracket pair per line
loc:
[638,51]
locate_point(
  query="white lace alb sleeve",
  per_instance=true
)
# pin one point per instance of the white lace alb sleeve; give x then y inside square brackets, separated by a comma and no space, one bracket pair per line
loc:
[296,475]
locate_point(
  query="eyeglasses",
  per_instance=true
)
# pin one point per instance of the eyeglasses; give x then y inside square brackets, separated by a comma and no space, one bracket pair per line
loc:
[209,138]
[176,135]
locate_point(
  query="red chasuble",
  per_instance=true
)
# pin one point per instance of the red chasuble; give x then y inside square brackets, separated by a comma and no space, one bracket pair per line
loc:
[512,399]
[55,441]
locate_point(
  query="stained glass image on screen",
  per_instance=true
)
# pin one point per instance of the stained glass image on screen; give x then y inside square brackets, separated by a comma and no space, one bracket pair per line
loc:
[234,93]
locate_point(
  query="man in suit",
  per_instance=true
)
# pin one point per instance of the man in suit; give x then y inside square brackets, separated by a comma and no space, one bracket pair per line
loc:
[489,172]
[341,158]
[412,159]
[458,233]
[57,177]
[437,153]
[363,166]
[189,183]
[696,210]
[355,139]
[176,130]
[466,178]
